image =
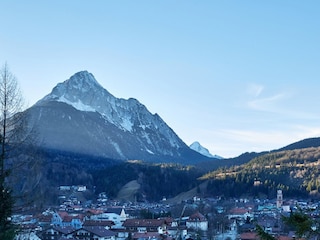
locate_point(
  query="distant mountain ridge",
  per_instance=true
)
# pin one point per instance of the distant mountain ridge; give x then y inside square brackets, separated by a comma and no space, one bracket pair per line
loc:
[80,116]
[295,171]
[305,143]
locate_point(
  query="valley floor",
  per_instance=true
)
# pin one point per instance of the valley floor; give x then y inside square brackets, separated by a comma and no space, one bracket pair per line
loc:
[209,218]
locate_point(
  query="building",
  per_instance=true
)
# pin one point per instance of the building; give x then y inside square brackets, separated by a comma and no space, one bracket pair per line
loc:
[94,232]
[197,222]
[279,199]
[145,225]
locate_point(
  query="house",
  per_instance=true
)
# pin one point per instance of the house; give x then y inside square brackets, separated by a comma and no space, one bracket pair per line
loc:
[249,236]
[177,232]
[107,224]
[63,219]
[197,222]
[117,215]
[44,220]
[247,227]
[285,238]
[65,188]
[118,211]
[28,235]
[145,225]
[267,209]
[121,233]
[76,208]
[81,188]
[93,212]
[94,232]
[241,214]
[55,233]
[149,236]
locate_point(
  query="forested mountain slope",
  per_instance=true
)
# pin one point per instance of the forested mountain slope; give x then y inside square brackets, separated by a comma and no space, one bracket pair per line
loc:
[296,172]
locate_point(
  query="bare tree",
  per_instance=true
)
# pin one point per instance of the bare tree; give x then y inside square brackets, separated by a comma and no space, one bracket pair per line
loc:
[11,103]
[11,122]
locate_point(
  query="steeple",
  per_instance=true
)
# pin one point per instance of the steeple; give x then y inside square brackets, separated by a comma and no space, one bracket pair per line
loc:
[279,199]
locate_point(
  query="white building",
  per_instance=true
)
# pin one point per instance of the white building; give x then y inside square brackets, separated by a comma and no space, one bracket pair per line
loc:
[198,222]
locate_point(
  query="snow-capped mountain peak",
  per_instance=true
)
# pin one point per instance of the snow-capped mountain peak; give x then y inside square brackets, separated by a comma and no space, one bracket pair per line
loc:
[83,80]
[196,146]
[81,91]
[84,93]
[80,110]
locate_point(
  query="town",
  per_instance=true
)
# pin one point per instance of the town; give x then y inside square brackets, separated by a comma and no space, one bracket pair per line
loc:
[197,218]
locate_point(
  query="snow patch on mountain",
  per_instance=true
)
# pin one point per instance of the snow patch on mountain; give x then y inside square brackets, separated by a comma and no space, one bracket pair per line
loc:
[117,148]
[127,124]
[149,151]
[77,105]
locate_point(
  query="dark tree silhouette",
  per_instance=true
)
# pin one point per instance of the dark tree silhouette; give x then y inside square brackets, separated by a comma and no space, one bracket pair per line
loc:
[10,124]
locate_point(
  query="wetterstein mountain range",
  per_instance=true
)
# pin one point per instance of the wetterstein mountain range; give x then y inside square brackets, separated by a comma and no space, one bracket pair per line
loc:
[86,136]
[80,116]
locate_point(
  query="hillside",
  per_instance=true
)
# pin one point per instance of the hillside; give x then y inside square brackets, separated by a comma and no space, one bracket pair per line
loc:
[144,181]
[228,162]
[252,174]
[296,172]
[305,143]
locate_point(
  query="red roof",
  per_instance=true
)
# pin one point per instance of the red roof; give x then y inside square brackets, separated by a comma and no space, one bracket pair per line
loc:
[248,236]
[197,217]
[239,211]
[68,218]
[45,218]
[95,211]
[284,238]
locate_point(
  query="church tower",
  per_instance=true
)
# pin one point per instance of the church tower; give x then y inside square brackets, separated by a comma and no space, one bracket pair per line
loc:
[279,199]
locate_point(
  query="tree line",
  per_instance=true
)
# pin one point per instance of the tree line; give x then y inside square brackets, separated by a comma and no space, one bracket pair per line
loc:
[295,172]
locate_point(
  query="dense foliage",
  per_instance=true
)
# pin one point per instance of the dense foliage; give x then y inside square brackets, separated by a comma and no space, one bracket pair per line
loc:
[157,180]
[7,229]
[58,168]
[304,226]
[295,172]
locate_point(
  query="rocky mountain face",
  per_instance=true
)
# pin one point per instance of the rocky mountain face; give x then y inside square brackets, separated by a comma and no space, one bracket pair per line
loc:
[80,116]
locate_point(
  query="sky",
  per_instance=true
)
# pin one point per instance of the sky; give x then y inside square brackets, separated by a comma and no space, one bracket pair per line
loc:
[237,76]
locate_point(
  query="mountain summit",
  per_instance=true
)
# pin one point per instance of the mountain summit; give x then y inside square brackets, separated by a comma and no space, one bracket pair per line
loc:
[80,116]
[196,146]
[81,91]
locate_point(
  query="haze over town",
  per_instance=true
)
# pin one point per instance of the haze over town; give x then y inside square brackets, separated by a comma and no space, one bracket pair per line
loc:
[235,76]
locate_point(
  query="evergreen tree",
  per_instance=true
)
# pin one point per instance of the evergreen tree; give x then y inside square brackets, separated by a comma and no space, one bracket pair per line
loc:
[7,230]
[303,225]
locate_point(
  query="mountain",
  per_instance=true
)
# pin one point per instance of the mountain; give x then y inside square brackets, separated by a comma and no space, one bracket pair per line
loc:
[82,117]
[295,172]
[305,143]
[196,146]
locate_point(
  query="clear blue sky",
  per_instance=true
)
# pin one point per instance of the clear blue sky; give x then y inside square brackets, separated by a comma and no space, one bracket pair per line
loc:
[236,76]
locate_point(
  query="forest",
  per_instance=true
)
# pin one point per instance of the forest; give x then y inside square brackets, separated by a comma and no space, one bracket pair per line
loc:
[156,180]
[295,172]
